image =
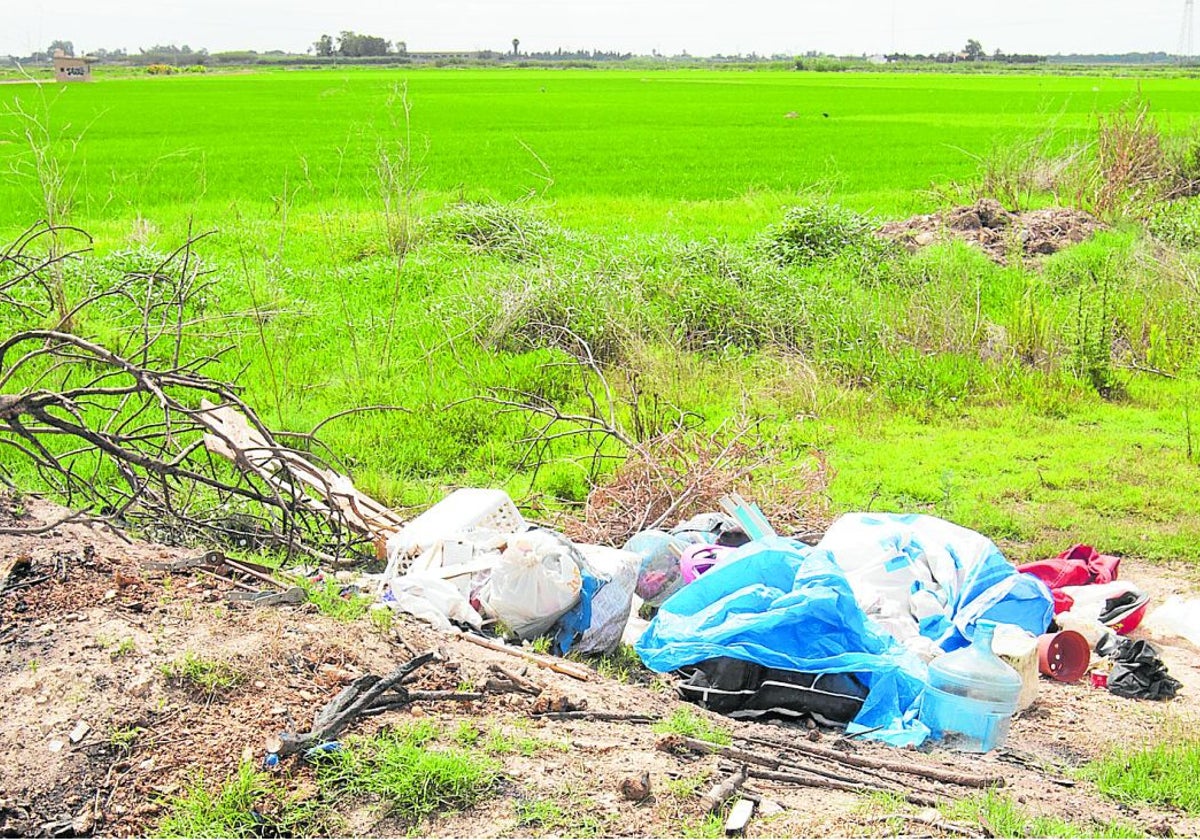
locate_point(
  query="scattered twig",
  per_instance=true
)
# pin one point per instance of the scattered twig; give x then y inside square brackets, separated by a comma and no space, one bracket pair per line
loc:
[935,820]
[558,666]
[526,685]
[722,790]
[909,768]
[612,717]
[355,700]
[74,516]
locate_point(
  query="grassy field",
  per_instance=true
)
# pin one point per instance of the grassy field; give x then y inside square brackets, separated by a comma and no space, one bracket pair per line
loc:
[418,238]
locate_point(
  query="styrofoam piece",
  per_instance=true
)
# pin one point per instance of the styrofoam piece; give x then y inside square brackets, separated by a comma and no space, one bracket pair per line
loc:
[1019,648]
[464,510]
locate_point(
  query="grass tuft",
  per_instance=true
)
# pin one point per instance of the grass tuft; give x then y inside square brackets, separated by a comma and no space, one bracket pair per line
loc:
[209,675]
[1160,774]
[1005,818]
[250,803]
[412,779]
[684,721]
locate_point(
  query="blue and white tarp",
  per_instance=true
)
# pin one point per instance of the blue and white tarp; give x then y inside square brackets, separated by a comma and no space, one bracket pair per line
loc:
[782,604]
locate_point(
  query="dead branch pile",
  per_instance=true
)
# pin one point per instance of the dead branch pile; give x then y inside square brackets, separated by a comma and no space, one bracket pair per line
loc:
[136,433]
[682,472]
[669,468]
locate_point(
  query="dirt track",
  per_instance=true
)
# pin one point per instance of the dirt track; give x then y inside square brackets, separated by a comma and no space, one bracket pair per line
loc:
[87,644]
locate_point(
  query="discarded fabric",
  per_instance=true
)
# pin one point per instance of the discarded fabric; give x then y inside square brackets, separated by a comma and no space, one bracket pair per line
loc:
[926,577]
[742,689]
[1084,583]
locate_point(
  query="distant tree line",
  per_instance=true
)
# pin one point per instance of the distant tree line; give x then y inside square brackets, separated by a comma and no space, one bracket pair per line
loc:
[354,46]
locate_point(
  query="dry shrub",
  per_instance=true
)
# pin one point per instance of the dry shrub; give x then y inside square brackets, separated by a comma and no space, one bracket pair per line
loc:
[684,471]
[1132,168]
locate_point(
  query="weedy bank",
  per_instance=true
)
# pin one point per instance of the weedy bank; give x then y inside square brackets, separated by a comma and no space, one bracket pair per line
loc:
[684,252]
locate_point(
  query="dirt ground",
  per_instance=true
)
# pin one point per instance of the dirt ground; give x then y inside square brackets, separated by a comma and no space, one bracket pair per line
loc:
[87,643]
[996,231]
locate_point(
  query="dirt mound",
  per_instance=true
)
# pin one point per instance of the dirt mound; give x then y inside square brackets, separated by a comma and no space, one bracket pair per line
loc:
[999,233]
[97,736]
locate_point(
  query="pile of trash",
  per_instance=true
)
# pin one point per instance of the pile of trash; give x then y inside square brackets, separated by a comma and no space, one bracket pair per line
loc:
[902,628]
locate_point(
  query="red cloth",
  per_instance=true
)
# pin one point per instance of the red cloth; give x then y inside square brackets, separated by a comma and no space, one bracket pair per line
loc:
[1079,565]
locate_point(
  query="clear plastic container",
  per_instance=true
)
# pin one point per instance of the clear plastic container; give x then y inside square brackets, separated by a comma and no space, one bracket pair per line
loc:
[971,696]
[659,575]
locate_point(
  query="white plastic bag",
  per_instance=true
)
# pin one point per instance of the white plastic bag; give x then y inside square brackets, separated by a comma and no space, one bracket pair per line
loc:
[535,582]
[434,600]
[612,604]
[1177,617]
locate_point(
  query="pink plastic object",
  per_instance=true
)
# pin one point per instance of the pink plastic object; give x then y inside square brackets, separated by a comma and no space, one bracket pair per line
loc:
[698,559]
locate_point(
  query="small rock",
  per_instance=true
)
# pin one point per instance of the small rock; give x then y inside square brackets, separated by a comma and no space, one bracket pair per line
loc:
[148,764]
[259,684]
[636,788]
[84,823]
[55,746]
[79,732]
[139,686]
[769,808]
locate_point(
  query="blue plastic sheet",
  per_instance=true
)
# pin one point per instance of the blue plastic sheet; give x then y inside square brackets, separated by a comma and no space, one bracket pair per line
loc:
[783,605]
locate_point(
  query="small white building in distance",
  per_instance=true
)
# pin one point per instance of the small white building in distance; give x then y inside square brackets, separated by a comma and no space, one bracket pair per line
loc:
[70,69]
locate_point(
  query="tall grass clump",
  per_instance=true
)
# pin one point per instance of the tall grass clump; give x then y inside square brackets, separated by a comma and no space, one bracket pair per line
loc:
[1124,169]
[504,230]
[814,232]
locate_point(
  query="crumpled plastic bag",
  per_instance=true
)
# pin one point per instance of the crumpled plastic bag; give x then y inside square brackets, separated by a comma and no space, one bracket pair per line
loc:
[1137,670]
[431,599]
[945,577]
[612,604]
[536,581]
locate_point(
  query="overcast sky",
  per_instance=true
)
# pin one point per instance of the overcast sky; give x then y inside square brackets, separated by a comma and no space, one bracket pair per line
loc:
[701,27]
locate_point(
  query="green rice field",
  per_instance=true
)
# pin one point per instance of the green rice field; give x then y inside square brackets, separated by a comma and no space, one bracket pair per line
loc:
[405,237]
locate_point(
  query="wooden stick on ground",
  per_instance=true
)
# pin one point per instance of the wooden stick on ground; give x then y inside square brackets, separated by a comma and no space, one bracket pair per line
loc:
[625,717]
[810,780]
[938,774]
[724,789]
[558,666]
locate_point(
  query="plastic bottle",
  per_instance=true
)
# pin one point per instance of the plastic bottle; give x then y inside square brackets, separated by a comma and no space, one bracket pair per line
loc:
[971,696]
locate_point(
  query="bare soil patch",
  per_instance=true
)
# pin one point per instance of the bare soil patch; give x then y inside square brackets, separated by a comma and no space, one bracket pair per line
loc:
[997,232]
[89,641]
